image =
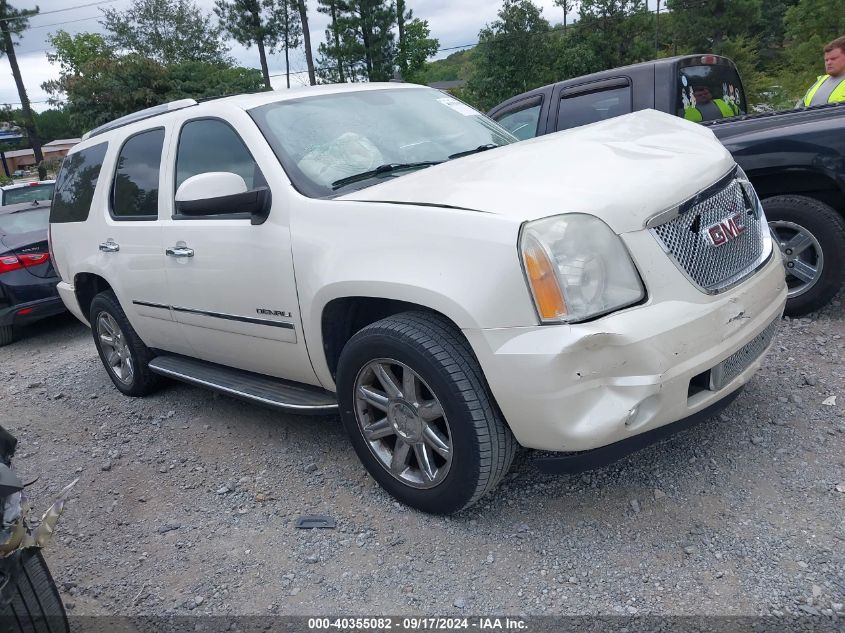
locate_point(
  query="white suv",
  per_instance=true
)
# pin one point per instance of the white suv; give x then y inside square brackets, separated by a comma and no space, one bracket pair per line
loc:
[387,251]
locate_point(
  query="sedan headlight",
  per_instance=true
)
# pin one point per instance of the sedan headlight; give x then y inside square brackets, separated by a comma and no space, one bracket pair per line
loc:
[577,268]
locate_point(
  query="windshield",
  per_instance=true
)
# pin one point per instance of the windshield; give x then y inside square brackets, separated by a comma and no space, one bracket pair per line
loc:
[28,193]
[323,141]
[24,221]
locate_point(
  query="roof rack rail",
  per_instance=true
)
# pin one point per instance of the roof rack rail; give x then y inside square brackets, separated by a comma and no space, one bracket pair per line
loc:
[140,115]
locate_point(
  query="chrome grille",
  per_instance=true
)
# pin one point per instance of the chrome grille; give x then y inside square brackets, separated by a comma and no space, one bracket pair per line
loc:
[740,360]
[714,268]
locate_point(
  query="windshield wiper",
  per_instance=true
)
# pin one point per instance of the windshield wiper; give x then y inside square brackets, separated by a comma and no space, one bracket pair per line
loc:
[382,169]
[480,148]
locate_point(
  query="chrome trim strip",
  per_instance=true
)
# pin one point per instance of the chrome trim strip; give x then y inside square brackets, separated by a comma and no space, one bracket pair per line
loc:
[217,315]
[234,317]
[240,394]
[148,304]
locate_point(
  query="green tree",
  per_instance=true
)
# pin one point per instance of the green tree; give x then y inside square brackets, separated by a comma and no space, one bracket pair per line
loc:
[514,54]
[700,26]
[109,87]
[71,53]
[568,7]
[290,29]
[809,26]
[302,5]
[251,22]
[415,47]
[55,124]
[359,40]
[13,22]
[617,32]
[167,31]
[333,61]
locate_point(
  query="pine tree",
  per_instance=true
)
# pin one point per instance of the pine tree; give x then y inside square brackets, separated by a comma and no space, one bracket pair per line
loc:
[251,22]
[302,5]
[14,22]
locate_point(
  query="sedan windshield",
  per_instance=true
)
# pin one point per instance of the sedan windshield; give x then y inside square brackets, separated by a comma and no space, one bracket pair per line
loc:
[331,144]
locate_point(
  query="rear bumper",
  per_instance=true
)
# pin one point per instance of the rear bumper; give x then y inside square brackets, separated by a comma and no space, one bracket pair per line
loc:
[30,311]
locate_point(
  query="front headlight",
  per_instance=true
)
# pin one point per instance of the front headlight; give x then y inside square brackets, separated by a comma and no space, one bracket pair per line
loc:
[577,268]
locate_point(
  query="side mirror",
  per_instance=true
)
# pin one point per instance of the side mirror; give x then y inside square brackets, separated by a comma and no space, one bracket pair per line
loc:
[222,193]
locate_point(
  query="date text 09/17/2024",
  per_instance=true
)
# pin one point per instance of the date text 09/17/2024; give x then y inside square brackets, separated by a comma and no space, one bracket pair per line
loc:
[417,624]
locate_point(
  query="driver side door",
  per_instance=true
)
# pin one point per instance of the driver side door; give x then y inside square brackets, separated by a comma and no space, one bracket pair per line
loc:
[230,281]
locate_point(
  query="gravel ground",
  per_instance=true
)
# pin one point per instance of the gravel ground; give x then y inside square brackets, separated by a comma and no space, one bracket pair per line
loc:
[187,502]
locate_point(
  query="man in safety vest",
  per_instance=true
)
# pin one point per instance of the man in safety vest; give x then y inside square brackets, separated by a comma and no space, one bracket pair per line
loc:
[707,108]
[829,88]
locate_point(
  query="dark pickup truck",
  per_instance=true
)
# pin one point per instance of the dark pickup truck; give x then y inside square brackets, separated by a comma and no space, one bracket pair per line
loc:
[795,159]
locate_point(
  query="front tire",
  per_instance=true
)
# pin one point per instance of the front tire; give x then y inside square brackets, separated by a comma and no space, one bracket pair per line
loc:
[123,353]
[420,416]
[811,237]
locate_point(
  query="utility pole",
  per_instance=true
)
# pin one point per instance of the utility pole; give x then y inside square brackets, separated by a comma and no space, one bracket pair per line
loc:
[657,30]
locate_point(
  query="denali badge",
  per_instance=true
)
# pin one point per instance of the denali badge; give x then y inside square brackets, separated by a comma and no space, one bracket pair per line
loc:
[726,230]
[278,313]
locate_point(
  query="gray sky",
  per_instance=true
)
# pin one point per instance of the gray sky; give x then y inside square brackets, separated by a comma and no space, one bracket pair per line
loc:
[453,22]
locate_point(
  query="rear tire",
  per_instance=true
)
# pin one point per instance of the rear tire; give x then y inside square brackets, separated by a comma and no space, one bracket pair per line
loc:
[123,353]
[7,335]
[436,417]
[820,232]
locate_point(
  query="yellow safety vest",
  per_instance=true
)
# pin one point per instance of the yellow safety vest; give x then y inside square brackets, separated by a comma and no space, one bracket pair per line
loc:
[838,93]
[693,114]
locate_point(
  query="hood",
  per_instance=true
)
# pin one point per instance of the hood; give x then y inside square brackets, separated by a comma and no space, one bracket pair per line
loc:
[623,170]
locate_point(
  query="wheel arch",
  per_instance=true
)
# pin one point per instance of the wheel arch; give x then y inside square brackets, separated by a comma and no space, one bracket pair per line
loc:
[803,182]
[86,286]
[342,317]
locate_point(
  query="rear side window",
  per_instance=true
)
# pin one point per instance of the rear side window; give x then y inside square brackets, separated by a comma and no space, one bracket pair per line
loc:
[710,91]
[76,183]
[585,108]
[210,145]
[522,122]
[135,188]
[29,193]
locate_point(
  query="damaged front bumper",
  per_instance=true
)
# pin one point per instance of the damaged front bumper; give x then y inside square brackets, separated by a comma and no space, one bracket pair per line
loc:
[573,388]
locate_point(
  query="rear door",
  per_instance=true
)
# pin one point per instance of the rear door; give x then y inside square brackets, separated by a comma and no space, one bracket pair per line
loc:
[129,239]
[588,103]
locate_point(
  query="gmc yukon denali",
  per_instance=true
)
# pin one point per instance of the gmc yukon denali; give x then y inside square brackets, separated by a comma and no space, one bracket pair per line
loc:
[794,159]
[387,253]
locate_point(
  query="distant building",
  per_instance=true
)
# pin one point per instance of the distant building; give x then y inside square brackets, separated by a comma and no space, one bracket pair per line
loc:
[25,158]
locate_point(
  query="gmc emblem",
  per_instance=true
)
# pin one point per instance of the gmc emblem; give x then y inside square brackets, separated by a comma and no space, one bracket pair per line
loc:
[726,230]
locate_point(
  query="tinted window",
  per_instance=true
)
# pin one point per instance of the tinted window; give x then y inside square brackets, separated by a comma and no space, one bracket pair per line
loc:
[522,123]
[209,145]
[24,221]
[28,193]
[135,189]
[76,183]
[585,108]
[709,92]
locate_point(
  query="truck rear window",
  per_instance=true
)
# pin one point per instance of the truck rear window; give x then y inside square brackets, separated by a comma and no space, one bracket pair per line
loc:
[710,91]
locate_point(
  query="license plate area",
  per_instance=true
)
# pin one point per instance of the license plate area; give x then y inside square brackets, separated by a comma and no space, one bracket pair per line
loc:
[723,373]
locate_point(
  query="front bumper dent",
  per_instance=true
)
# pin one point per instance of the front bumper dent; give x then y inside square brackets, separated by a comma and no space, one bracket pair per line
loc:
[580,387]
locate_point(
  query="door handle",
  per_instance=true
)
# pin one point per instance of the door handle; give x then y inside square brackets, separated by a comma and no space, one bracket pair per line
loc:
[179,251]
[109,246]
